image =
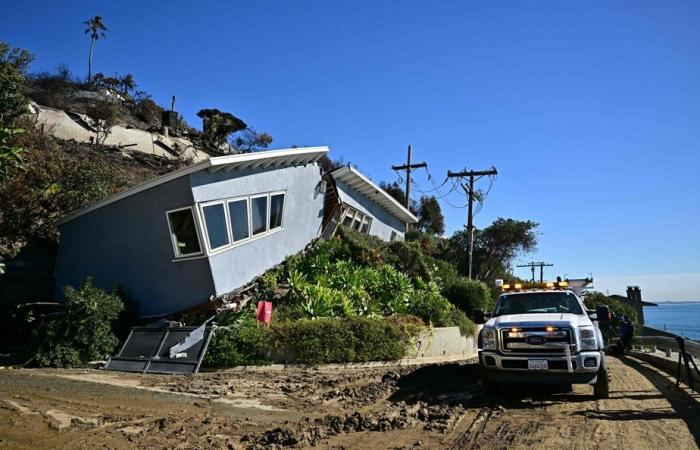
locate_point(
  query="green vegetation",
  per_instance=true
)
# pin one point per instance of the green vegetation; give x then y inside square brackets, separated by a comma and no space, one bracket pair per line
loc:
[350,298]
[13,65]
[82,332]
[350,339]
[611,329]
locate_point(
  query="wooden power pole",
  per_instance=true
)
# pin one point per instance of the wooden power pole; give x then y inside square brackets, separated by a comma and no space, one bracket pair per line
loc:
[534,264]
[472,175]
[408,167]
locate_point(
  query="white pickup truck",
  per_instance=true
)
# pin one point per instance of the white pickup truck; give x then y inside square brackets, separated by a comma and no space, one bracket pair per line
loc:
[542,334]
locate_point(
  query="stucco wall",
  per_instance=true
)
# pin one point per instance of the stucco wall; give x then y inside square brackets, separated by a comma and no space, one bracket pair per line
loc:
[383,222]
[128,243]
[301,223]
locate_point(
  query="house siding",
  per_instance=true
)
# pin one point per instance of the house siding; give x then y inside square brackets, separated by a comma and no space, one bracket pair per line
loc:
[383,222]
[128,243]
[301,223]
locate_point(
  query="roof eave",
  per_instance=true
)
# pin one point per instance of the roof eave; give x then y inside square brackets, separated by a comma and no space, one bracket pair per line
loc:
[232,161]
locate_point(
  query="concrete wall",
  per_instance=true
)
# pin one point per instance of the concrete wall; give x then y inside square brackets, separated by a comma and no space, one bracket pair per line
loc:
[128,243]
[383,222]
[301,222]
[61,125]
[443,341]
[431,343]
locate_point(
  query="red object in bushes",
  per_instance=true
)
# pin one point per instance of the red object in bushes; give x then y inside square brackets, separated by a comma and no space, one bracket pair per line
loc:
[264,312]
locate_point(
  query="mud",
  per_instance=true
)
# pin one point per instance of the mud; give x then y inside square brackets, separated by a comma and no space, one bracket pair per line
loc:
[401,407]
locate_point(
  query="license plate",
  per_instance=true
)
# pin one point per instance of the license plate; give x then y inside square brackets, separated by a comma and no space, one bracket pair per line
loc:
[537,364]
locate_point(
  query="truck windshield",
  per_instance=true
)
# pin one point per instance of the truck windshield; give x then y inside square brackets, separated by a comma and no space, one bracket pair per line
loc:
[537,302]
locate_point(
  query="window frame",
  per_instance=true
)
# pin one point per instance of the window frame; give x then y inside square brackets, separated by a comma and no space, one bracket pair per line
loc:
[228,201]
[269,210]
[173,243]
[197,210]
[356,215]
[267,214]
[205,230]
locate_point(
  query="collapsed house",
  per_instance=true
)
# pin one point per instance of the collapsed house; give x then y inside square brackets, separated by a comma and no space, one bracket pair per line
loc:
[201,232]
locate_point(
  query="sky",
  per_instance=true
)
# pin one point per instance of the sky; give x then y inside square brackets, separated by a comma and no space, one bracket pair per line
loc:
[589,110]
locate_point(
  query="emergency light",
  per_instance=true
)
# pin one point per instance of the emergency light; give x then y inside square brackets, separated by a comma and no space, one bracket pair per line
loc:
[544,285]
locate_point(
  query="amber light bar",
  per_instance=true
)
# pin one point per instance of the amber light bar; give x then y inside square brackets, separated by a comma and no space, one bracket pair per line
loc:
[545,285]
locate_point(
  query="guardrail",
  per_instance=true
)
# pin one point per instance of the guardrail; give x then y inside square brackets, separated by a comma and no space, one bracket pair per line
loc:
[687,350]
[663,342]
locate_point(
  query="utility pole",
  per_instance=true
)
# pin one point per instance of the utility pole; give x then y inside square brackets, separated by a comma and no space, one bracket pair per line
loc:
[473,176]
[408,167]
[534,264]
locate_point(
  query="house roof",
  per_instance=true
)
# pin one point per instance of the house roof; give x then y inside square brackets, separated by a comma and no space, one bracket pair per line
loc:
[359,182]
[271,158]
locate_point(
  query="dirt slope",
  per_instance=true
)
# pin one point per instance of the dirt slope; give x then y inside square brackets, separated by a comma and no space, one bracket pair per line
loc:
[438,406]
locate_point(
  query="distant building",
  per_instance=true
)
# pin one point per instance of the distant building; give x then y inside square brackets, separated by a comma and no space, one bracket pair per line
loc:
[634,300]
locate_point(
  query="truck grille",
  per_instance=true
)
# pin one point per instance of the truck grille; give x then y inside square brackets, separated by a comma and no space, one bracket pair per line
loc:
[535,340]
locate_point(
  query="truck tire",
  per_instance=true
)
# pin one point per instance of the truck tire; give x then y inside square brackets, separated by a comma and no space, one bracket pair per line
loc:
[488,386]
[601,389]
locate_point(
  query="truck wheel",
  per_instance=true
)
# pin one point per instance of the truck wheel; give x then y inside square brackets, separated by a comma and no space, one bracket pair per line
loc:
[489,386]
[601,389]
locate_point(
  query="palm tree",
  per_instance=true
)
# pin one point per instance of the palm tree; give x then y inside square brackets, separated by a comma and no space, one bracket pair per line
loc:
[96,28]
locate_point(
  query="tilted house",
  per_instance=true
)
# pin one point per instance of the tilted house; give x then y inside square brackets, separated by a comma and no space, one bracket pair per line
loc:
[198,232]
[355,201]
[212,227]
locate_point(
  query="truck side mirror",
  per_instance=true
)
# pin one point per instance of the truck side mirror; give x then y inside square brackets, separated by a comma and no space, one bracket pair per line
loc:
[479,317]
[602,313]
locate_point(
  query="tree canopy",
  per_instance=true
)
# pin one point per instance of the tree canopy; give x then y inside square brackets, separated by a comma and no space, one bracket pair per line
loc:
[219,125]
[430,218]
[495,247]
[13,65]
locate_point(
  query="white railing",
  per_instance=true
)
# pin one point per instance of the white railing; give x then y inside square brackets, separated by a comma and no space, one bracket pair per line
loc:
[663,342]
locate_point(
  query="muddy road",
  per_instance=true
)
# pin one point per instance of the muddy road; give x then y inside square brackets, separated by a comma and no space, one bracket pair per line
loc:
[436,406]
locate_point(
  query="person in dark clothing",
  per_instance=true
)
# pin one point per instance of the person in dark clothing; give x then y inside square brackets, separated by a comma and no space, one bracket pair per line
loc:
[626,332]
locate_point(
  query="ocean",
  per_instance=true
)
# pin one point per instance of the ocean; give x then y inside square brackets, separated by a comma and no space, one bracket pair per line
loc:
[678,318]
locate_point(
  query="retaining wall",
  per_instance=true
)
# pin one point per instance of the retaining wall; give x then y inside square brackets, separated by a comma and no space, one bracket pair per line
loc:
[436,344]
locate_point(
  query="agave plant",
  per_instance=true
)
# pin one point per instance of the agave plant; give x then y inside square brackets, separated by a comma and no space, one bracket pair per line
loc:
[318,302]
[297,281]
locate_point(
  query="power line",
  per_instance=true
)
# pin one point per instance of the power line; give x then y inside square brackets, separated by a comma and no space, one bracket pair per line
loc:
[534,264]
[472,176]
[408,167]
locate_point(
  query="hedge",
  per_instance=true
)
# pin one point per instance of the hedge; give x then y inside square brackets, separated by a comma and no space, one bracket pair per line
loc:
[319,341]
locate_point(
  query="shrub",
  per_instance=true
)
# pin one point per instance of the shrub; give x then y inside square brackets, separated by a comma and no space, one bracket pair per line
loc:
[83,332]
[333,340]
[610,329]
[237,346]
[409,258]
[441,272]
[468,295]
[147,111]
[430,306]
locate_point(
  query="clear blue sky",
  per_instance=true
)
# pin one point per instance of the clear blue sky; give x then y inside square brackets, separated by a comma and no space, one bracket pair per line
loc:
[589,110]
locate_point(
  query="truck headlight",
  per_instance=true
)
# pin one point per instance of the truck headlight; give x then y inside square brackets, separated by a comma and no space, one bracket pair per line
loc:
[488,339]
[587,338]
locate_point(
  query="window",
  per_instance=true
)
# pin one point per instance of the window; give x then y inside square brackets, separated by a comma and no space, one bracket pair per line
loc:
[347,220]
[215,224]
[365,225]
[537,303]
[238,214]
[183,232]
[225,223]
[259,212]
[276,209]
[356,220]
